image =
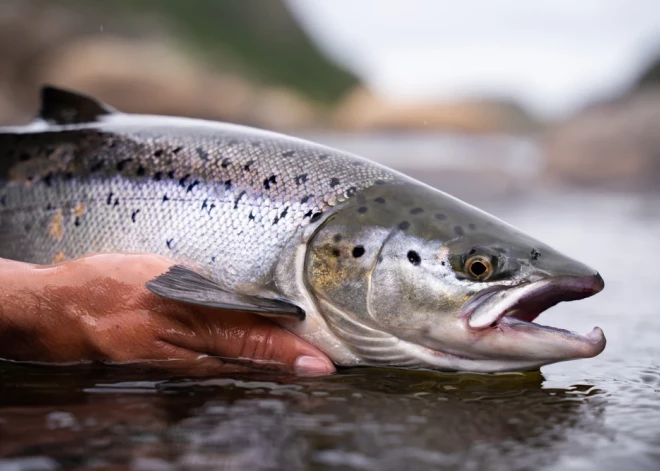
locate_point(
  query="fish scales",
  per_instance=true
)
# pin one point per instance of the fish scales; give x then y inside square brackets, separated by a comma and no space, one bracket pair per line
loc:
[166,188]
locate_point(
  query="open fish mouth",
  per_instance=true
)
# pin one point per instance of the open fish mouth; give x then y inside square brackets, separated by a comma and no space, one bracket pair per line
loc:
[511,312]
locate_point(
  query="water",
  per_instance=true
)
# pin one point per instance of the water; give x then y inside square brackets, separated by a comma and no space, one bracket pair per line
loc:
[597,414]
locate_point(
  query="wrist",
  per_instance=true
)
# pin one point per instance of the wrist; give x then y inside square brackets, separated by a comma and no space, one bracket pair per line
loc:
[19,329]
[36,321]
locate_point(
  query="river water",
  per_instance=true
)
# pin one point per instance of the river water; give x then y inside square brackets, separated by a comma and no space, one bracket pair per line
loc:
[597,414]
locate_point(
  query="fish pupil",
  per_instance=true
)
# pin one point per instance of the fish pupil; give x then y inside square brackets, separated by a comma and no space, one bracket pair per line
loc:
[478,268]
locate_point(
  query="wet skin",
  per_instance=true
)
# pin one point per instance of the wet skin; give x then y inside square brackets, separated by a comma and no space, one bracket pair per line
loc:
[97,309]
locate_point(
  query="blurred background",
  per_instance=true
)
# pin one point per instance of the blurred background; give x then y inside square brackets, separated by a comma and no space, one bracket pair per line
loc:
[496,96]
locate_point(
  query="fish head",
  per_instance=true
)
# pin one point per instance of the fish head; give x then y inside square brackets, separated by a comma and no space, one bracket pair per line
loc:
[456,288]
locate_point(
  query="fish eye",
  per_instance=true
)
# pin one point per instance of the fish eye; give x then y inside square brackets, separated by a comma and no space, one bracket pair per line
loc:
[479,267]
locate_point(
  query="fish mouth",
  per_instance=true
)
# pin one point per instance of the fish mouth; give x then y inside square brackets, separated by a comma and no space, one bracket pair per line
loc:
[510,312]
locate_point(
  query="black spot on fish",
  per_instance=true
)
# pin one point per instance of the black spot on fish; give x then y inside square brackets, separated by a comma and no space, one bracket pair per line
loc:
[165,198]
[182,180]
[379,182]
[213,259]
[169,243]
[403,225]
[247,165]
[122,164]
[76,222]
[135,213]
[323,157]
[270,180]
[362,209]
[358,251]
[336,252]
[171,174]
[227,184]
[380,259]
[288,153]
[109,201]
[191,186]
[284,213]
[23,157]
[158,153]
[440,217]
[204,205]
[316,216]
[116,203]
[334,182]
[49,207]
[238,198]
[305,199]
[337,238]
[414,258]
[444,263]
[380,200]
[140,171]
[458,230]
[211,208]
[158,176]
[535,254]
[48,179]
[251,216]
[416,211]
[97,166]
[225,162]
[202,154]
[300,179]
[308,213]
[351,192]
[178,149]
[472,227]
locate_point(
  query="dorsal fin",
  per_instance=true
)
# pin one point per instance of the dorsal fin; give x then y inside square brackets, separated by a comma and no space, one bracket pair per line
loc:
[60,106]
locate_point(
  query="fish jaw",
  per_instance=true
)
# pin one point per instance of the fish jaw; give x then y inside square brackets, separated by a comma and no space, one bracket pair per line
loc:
[500,322]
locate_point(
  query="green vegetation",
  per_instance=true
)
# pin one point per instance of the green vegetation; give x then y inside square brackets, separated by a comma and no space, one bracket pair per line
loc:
[259,38]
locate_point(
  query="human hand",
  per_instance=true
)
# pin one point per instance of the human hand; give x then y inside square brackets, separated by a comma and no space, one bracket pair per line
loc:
[97,308]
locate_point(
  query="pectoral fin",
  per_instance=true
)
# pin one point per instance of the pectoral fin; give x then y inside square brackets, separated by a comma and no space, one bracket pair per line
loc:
[182,284]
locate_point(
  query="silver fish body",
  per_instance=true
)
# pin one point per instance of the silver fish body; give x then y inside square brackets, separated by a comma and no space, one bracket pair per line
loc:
[375,260]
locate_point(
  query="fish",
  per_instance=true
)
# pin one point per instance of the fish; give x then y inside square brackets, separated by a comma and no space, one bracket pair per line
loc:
[370,266]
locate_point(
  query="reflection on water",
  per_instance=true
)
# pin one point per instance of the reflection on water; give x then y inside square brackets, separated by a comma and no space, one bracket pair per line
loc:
[593,414]
[362,418]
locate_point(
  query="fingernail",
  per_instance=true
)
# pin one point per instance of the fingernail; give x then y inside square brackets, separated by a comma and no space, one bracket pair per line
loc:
[312,366]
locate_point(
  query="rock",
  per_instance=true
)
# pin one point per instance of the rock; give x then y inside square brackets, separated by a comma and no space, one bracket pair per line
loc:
[362,110]
[154,77]
[616,144]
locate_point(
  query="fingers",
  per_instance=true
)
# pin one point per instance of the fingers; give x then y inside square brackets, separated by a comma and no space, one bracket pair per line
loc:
[246,339]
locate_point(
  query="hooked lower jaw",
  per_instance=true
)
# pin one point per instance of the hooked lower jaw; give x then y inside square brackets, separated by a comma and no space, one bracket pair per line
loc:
[502,319]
